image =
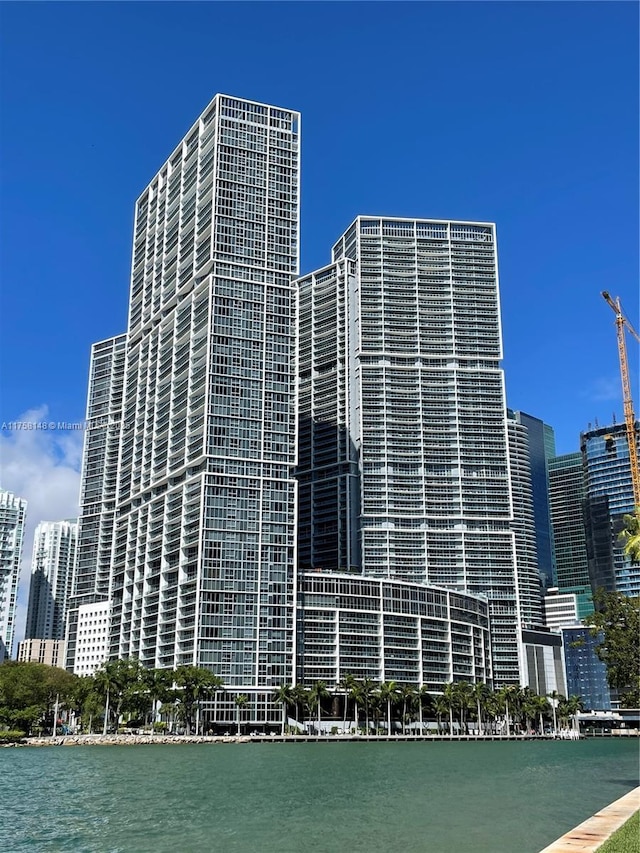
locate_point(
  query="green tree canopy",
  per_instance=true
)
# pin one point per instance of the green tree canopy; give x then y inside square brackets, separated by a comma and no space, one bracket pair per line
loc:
[118,683]
[193,684]
[630,535]
[29,690]
[617,617]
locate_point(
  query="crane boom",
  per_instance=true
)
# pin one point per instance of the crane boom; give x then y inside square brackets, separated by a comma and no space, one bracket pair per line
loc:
[629,416]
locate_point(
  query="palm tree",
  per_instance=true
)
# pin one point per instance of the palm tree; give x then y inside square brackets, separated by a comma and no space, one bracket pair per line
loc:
[284,694]
[111,681]
[463,693]
[168,710]
[555,701]
[528,707]
[518,701]
[388,692]
[82,692]
[573,705]
[241,701]
[347,684]
[157,683]
[479,693]
[441,707]
[91,708]
[424,699]
[563,714]
[539,705]
[317,693]
[493,708]
[507,694]
[448,694]
[376,710]
[408,694]
[357,696]
[301,701]
[367,688]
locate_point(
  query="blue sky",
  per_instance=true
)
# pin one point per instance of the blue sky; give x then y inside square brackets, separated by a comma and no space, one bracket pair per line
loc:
[525,114]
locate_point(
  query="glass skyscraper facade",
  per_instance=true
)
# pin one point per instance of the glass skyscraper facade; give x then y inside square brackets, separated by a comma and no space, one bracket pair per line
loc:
[54,552]
[586,673]
[566,501]
[203,567]
[404,460]
[541,442]
[609,497]
[528,577]
[12,517]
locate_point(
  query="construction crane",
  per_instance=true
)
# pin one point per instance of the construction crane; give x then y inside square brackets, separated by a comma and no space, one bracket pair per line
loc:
[629,416]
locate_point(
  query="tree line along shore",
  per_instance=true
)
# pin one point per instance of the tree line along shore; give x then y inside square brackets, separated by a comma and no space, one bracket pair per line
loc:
[124,696]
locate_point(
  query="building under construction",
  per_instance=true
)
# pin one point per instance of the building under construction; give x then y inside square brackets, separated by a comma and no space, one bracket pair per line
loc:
[609,497]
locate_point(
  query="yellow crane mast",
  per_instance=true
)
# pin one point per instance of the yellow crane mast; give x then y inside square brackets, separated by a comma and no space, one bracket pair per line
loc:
[629,416]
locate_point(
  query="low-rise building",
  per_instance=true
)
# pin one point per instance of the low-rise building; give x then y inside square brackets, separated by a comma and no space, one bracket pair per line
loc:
[92,642]
[560,609]
[544,663]
[51,652]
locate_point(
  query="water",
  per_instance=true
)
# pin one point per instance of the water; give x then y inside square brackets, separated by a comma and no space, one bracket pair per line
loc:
[322,798]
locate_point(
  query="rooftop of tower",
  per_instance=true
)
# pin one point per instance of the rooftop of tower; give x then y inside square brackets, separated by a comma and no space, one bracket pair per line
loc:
[392,226]
[206,115]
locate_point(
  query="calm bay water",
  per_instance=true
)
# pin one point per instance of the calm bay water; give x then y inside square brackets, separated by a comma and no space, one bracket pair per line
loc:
[292,798]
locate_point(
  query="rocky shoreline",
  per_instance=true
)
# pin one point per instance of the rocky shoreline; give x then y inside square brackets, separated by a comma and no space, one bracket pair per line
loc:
[127,740]
[148,739]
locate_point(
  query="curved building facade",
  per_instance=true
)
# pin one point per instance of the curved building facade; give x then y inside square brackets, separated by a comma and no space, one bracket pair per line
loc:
[370,628]
[389,630]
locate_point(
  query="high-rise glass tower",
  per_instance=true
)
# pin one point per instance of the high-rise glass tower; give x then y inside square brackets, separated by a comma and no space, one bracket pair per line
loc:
[609,497]
[403,461]
[586,673]
[98,484]
[541,441]
[12,515]
[528,577]
[204,555]
[566,507]
[54,552]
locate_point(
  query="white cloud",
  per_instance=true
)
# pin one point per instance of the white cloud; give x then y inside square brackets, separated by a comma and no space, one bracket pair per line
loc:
[42,466]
